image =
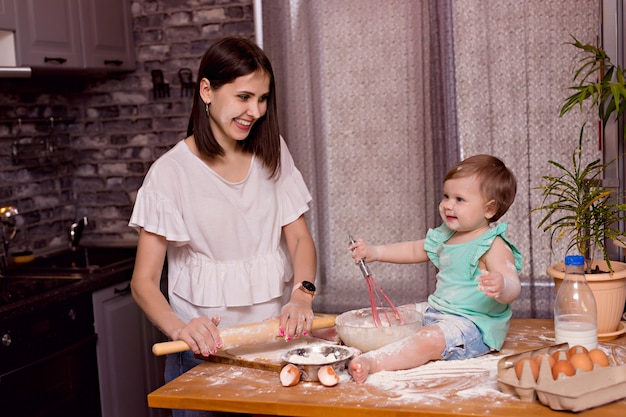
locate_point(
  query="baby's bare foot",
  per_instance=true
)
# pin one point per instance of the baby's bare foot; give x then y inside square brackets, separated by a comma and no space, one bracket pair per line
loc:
[359,368]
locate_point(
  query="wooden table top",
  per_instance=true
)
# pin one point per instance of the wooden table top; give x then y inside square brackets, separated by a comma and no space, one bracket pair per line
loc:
[459,388]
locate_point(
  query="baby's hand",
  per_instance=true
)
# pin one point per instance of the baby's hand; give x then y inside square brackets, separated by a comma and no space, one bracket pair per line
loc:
[491,283]
[363,250]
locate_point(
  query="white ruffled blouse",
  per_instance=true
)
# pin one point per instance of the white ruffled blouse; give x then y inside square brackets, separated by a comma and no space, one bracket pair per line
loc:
[224,238]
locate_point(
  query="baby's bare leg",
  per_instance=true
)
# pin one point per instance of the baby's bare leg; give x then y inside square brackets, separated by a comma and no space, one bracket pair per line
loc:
[425,345]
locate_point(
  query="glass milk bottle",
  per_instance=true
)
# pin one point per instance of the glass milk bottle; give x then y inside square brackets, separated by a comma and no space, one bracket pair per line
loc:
[575,315]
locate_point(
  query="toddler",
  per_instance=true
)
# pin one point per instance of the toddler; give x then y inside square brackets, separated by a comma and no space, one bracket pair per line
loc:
[468,314]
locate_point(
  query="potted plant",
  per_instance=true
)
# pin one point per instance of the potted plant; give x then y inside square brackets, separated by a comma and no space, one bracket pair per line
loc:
[576,207]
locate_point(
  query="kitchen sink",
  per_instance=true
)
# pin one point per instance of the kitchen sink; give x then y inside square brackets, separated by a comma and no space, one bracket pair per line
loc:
[75,263]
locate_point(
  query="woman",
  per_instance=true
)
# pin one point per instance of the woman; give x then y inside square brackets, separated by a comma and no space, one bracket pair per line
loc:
[227,205]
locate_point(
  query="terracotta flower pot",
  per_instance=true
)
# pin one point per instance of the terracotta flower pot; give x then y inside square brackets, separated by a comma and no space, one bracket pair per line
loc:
[608,289]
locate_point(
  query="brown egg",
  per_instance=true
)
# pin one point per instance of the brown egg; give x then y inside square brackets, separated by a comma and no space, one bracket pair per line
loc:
[562,367]
[557,355]
[289,375]
[534,368]
[598,356]
[581,361]
[576,349]
[539,360]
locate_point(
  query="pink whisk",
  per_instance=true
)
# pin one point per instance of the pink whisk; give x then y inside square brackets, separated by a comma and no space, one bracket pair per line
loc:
[376,294]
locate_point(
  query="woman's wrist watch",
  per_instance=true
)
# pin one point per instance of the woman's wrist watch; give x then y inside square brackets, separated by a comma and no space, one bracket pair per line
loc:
[306,287]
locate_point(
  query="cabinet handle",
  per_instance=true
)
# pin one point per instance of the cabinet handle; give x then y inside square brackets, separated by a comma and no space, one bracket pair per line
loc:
[57,60]
[115,62]
[124,290]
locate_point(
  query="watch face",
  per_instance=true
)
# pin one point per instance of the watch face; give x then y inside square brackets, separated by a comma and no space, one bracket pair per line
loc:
[308,285]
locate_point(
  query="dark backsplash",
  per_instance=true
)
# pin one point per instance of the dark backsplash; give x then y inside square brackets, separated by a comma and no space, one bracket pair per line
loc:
[90,158]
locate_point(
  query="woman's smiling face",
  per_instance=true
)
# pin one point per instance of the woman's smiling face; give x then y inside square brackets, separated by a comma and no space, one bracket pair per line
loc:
[236,106]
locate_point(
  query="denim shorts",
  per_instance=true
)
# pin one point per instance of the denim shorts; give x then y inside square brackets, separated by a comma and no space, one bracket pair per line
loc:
[463,339]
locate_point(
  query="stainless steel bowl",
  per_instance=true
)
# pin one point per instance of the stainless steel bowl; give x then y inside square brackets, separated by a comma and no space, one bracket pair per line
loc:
[309,359]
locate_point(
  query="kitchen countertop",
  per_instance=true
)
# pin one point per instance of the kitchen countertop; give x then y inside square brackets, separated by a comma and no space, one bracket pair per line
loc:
[78,287]
[460,388]
[87,284]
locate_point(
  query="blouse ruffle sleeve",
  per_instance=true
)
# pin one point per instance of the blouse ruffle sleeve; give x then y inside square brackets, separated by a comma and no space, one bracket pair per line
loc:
[158,215]
[295,195]
[154,208]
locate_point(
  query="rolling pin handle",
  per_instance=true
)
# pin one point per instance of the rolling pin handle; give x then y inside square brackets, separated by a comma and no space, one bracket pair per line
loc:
[165,348]
[323,322]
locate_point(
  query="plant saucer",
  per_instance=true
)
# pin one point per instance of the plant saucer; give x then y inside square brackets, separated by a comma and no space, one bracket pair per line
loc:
[621,329]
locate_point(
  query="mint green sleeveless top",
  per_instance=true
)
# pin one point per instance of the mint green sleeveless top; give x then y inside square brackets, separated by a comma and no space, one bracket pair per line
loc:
[457,284]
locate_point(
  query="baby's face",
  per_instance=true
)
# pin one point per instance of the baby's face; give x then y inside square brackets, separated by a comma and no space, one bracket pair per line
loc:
[463,208]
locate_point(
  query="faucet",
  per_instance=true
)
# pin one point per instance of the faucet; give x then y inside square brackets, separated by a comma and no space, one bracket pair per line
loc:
[8,230]
[76,231]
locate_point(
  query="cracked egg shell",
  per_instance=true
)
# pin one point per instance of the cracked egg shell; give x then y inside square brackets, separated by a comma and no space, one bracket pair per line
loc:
[289,375]
[328,376]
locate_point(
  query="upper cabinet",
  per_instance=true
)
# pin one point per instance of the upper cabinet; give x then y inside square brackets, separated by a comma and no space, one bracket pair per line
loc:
[48,34]
[75,34]
[7,15]
[107,34]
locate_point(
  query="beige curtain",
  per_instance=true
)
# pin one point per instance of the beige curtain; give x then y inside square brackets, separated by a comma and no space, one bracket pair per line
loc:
[355,79]
[378,98]
[513,68]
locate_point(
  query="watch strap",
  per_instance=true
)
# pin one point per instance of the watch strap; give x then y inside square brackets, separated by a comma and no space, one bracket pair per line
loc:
[306,287]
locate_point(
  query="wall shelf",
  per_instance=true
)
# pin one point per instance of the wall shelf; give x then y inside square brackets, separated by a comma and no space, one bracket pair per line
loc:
[38,120]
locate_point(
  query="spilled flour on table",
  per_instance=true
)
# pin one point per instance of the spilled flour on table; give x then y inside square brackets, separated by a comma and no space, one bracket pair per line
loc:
[442,380]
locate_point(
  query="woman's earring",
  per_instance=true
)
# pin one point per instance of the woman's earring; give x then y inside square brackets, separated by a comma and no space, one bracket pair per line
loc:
[206,108]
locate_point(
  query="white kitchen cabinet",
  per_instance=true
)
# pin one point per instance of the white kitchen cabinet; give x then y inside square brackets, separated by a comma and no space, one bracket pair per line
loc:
[7,15]
[107,35]
[74,34]
[48,34]
[127,370]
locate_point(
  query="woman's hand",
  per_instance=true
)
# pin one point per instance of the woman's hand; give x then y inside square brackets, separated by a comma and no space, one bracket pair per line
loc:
[202,335]
[296,317]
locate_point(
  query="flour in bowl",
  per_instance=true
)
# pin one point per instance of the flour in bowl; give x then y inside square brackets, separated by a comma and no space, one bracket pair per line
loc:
[312,358]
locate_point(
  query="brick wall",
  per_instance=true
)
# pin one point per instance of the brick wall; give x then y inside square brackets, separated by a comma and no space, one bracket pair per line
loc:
[107,131]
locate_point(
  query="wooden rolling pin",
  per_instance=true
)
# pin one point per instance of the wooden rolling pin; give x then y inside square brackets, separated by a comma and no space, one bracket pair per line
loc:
[243,335]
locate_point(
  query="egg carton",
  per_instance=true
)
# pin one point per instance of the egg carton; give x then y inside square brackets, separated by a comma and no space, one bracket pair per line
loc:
[580,392]
[584,390]
[524,386]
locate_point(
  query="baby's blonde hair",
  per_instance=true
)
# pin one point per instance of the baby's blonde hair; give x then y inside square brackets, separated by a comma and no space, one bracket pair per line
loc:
[497,182]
